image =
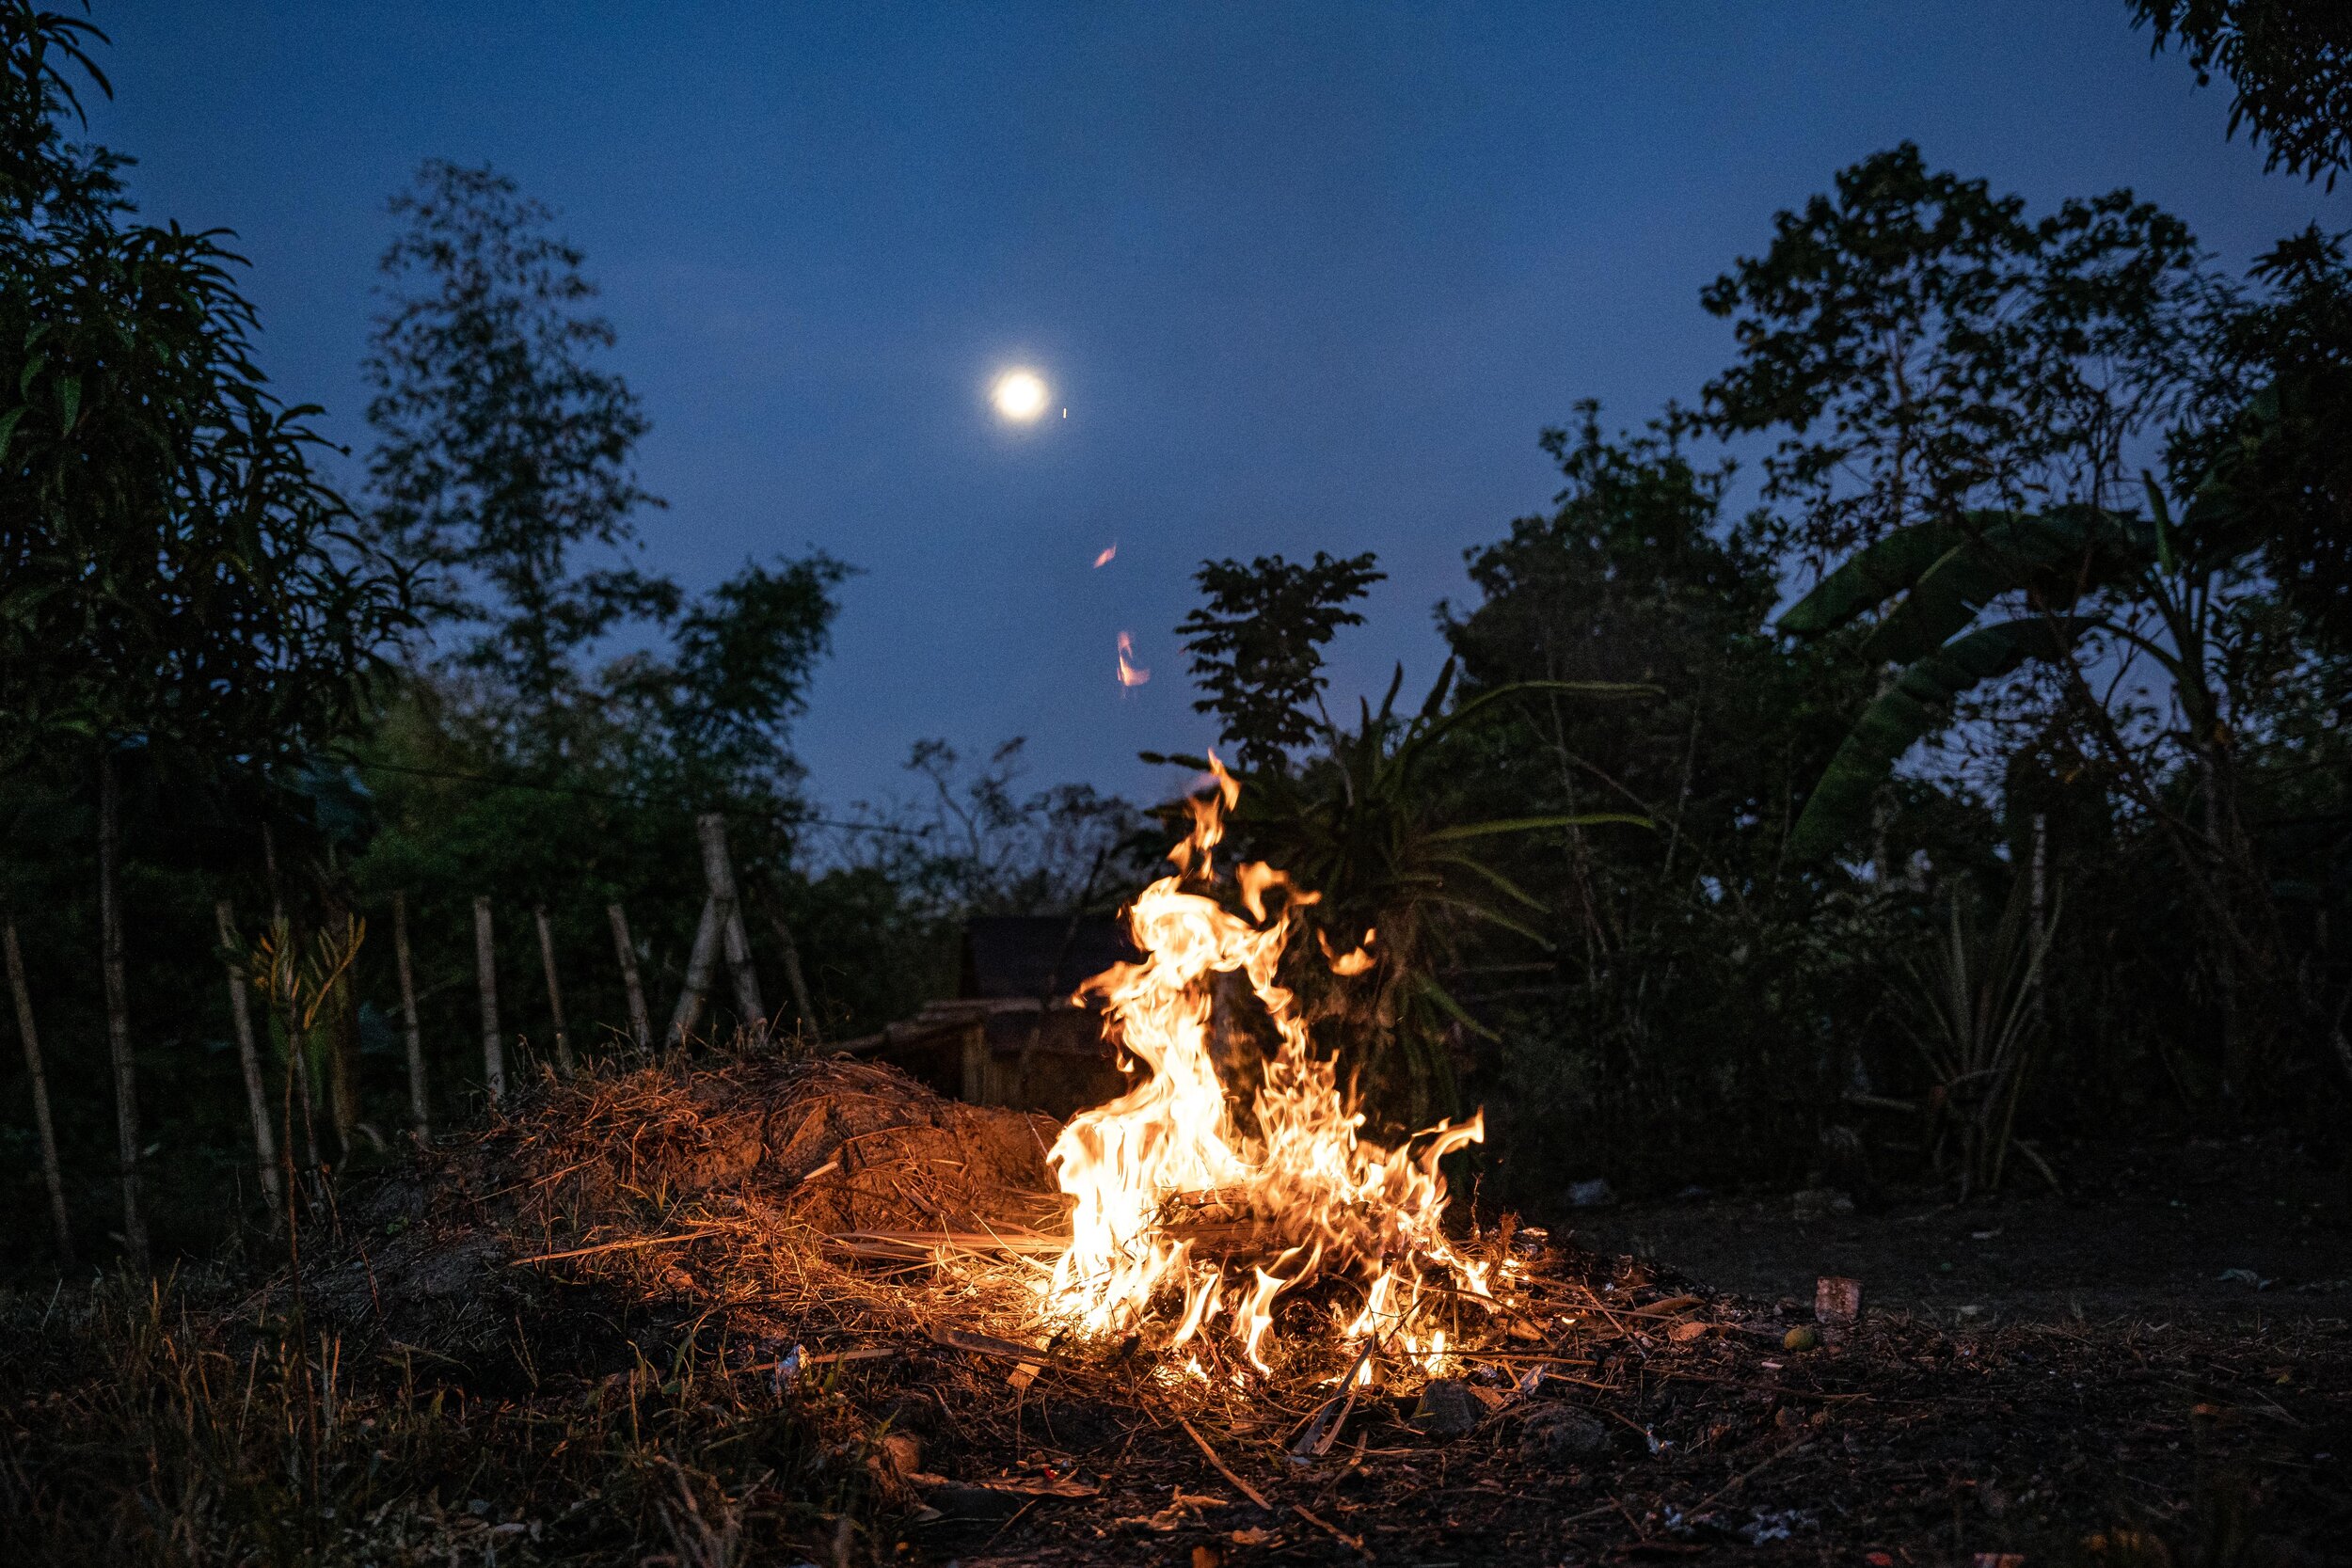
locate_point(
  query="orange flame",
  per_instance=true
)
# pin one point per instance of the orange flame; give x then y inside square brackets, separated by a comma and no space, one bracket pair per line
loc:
[1130,672]
[1305,1194]
[1109,553]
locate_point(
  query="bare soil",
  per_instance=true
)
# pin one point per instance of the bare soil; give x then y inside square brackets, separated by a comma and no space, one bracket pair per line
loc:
[2251,1229]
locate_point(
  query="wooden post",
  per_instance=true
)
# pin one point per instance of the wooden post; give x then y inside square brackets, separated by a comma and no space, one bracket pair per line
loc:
[249,1061]
[486,972]
[555,994]
[639,1024]
[418,1106]
[810,1026]
[49,1172]
[118,989]
[699,962]
[718,874]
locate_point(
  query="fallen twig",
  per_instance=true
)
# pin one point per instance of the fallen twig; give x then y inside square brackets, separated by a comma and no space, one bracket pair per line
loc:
[1248,1491]
[619,1246]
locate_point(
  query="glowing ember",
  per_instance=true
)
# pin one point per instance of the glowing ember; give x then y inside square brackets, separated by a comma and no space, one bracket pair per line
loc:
[1183,1218]
[1110,553]
[1130,672]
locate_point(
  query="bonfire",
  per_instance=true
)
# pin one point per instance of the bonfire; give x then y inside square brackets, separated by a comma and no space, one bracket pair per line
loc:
[1188,1218]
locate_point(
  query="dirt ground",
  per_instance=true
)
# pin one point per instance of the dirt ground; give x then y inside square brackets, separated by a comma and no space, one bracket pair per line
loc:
[2251,1229]
[2075,1378]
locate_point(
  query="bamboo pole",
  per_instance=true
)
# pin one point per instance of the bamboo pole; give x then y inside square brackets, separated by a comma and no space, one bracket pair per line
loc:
[555,994]
[51,1174]
[773,906]
[419,1111]
[699,962]
[486,972]
[639,1024]
[118,990]
[249,1060]
[718,874]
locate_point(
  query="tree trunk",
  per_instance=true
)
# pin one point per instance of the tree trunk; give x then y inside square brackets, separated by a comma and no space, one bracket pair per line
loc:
[419,1106]
[699,963]
[486,972]
[51,1174]
[249,1060]
[118,1004]
[718,874]
[555,993]
[640,1022]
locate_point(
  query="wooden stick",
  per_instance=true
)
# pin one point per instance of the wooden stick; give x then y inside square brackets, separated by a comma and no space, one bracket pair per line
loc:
[619,1246]
[51,1173]
[640,1024]
[249,1059]
[719,874]
[418,1105]
[564,1063]
[1355,1542]
[487,972]
[118,989]
[699,962]
[1248,1491]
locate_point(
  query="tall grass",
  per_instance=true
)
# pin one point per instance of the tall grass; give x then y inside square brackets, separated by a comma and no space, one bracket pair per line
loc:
[140,1429]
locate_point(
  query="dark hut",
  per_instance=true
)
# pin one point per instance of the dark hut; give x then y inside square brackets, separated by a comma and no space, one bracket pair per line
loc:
[1015,1033]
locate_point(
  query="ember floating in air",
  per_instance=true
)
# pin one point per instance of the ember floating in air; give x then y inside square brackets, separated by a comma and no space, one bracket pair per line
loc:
[1110,552]
[1130,672]
[1182,1216]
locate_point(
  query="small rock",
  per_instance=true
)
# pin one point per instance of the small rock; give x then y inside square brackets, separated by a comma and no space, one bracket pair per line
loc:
[1447,1409]
[1800,1337]
[1817,1203]
[1556,1434]
[1596,1193]
[902,1452]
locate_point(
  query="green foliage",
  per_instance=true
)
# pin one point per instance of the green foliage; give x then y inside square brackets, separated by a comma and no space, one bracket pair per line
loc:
[171,569]
[1971,1007]
[503,448]
[1256,645]
[1924,348]
[1372,827]
[2290,62]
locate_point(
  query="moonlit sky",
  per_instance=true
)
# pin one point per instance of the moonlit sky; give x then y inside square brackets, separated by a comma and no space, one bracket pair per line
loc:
[1305,276]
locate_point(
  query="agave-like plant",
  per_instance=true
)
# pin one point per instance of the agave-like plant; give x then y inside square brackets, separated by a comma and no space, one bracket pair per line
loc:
[1970,1010]
[1369,826]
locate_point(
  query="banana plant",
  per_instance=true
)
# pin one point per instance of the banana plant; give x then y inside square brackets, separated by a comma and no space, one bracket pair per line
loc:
[1369,826]
[2080,571]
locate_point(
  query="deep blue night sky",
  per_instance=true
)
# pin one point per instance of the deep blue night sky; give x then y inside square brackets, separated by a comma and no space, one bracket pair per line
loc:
[1305,276]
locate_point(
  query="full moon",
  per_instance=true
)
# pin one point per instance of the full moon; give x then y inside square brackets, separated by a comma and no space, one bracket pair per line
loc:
[1019,395]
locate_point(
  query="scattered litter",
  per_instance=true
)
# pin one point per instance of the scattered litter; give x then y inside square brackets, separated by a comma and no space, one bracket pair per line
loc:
[1836,1299]
[1555,1434]
[1596,1193]
[2246,1276]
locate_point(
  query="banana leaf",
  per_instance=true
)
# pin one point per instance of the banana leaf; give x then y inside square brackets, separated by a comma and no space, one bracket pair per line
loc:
[1872,577]
[1918,702]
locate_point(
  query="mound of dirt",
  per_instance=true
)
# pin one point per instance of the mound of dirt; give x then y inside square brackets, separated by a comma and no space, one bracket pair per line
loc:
[609,1174]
